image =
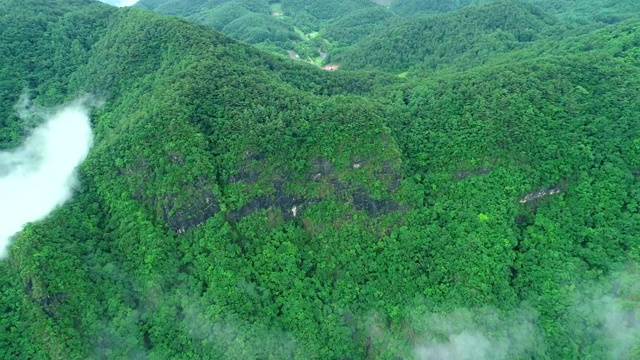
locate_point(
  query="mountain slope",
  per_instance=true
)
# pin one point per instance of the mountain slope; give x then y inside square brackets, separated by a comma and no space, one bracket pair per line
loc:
[498,32]
[187,131]
[462,39]
[576,9]
[238,205]
[279,27]
[249,21]
[398,35]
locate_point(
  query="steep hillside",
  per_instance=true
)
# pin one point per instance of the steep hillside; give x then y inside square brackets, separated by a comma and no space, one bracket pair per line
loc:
[413,7]
[498,32]
[398,35]
[356,26]
[196,129]
[575,9]
[42,65]
[277,26]
[462,39]
[315,14]
[248,20]
[239,205]
[589,10]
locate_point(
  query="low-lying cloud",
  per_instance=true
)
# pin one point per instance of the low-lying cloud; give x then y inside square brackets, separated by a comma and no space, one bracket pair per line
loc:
[39,175]
[480,334]
[602,318]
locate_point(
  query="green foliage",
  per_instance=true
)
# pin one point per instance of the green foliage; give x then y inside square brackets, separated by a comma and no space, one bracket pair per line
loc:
[238,205]
[402,35]
[247,20]
[412,7]
[462,39]
[590,9]
[357,25]
[314,14]
[257,29]
[37,64]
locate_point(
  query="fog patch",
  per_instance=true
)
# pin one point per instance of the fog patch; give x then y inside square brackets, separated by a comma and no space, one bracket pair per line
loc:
[480,334]
[611,312]
[461,346]
[224,335]
[621,327]
[39,175]
[601,319]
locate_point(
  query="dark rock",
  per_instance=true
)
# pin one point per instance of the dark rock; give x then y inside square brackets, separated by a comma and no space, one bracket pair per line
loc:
[322,171]
[246,174]
[50,303]
[289,205]
[374,208]
[388,175]
[255,204]
[195,207]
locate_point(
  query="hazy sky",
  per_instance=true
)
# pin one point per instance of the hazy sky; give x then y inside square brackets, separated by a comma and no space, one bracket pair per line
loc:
[120,2]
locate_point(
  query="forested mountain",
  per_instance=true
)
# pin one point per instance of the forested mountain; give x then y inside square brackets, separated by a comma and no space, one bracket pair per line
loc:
[247,20]
[475,35]
[290,25]
[584,9]
[239,205]
[464,38]
[398,35]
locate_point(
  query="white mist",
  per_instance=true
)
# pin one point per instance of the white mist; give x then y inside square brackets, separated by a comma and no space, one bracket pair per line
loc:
[39,175]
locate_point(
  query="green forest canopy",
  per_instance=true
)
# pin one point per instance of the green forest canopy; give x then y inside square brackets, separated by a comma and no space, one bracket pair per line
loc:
[390,36]
[239,205]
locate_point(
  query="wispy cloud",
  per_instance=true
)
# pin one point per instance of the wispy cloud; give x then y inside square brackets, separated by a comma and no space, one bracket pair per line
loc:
[481,334]
[39,175]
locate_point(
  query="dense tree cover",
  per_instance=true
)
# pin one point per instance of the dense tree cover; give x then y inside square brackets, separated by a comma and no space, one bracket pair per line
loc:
[576,9]
[314,15]
[279,26]
[247,20]
[238,205]
[475,35]
[401,35]
[589,9]
[41,65]
[356,25]
[468,38]
[256,29]
[412,7]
